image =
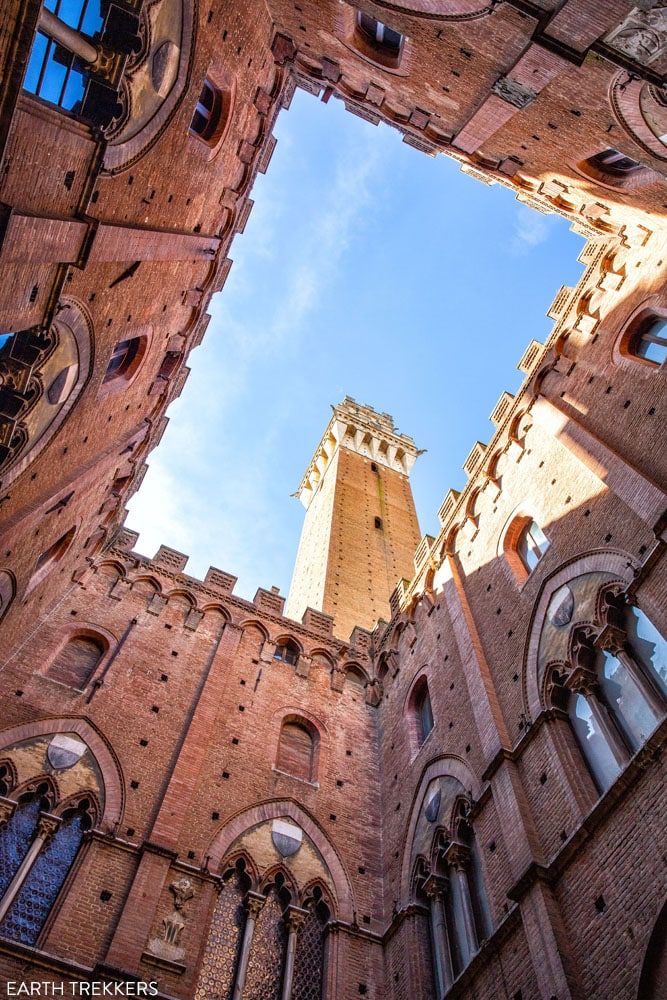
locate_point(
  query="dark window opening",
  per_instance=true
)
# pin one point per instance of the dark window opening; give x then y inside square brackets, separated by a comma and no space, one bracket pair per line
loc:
[208,112]
[379,36]
[650,341]
[378,522]
[122,359]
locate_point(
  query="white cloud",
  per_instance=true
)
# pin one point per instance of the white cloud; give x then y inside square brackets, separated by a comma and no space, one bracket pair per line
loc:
[207,491]
[531,228]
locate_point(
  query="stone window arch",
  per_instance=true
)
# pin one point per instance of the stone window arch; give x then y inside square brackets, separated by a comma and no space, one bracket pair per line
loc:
[524,545]
[124,363]
[287,650]
[49,559]
[645,339]
[298,746]
[77,659]
[42,374]
[377,40]
[212,114]
[613,168]
[420,713]
[613,686]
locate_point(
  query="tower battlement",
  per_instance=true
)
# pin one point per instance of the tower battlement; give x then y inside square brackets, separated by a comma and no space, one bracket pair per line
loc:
[364,431]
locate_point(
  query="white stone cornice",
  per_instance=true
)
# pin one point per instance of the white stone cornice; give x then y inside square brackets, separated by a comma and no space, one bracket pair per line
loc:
[362,430]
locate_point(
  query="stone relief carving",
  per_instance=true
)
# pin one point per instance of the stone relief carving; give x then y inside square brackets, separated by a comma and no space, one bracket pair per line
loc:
[642,36]
[168,946]
[516,94]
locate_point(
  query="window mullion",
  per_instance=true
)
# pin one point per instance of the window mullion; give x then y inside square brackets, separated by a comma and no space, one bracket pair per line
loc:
[46,827]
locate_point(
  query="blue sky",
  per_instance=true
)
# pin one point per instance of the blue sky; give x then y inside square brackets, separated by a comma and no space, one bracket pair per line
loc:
[366,269]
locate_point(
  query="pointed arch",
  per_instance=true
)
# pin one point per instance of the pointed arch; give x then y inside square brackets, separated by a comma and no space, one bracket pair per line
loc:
[446,766]
[114,790]
[618,564]
[279,809]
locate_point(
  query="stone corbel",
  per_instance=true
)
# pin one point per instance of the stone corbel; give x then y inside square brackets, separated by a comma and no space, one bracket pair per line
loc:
[303,665]
[193,619]
[337,679]
[7,807]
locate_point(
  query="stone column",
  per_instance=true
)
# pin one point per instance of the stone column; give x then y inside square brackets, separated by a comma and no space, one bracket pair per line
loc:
[254,902]
[46,827]
[585,682]
[7,807]
[457,857]
[70,39]
[612,639]
[435,888]
[294,918]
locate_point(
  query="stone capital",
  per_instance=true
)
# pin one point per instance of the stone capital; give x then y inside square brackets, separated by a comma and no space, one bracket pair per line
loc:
[47,825]
[254,901]
[582,680]
[295,917]
[435,886]
[457,856]
[7,807]
[611,639]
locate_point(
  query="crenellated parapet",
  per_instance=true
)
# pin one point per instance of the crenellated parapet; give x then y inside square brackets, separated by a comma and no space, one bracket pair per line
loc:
[364,431]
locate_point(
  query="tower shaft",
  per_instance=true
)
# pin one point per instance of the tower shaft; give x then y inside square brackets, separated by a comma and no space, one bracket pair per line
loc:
[360,530]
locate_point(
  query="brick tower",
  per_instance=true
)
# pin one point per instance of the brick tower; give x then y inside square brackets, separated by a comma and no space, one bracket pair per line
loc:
[360,530]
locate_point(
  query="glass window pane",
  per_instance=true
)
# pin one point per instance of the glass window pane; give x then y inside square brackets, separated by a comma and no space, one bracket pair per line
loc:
[207,96]
[198,123]
[15,838]
[5,338]
[595,748]
[538,538]
[426,716]
[74,89]
[648,646]
[35,62]
[57,61]
[651,351]
[635,716]
[25,917]
[70,12]
[92,20]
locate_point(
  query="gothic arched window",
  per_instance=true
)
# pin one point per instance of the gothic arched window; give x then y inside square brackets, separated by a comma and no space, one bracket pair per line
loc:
[30,907]
[267,955]
[15,838]
[49,558]
[37,850]
[76,661]
[612,162]
[208,113]
[531,545]
[287,651]
[125,359]
[420,711]
[223,947]
[308,981]
[649,341]
[381,39]
[616,691]
[297,747]
[62,52]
